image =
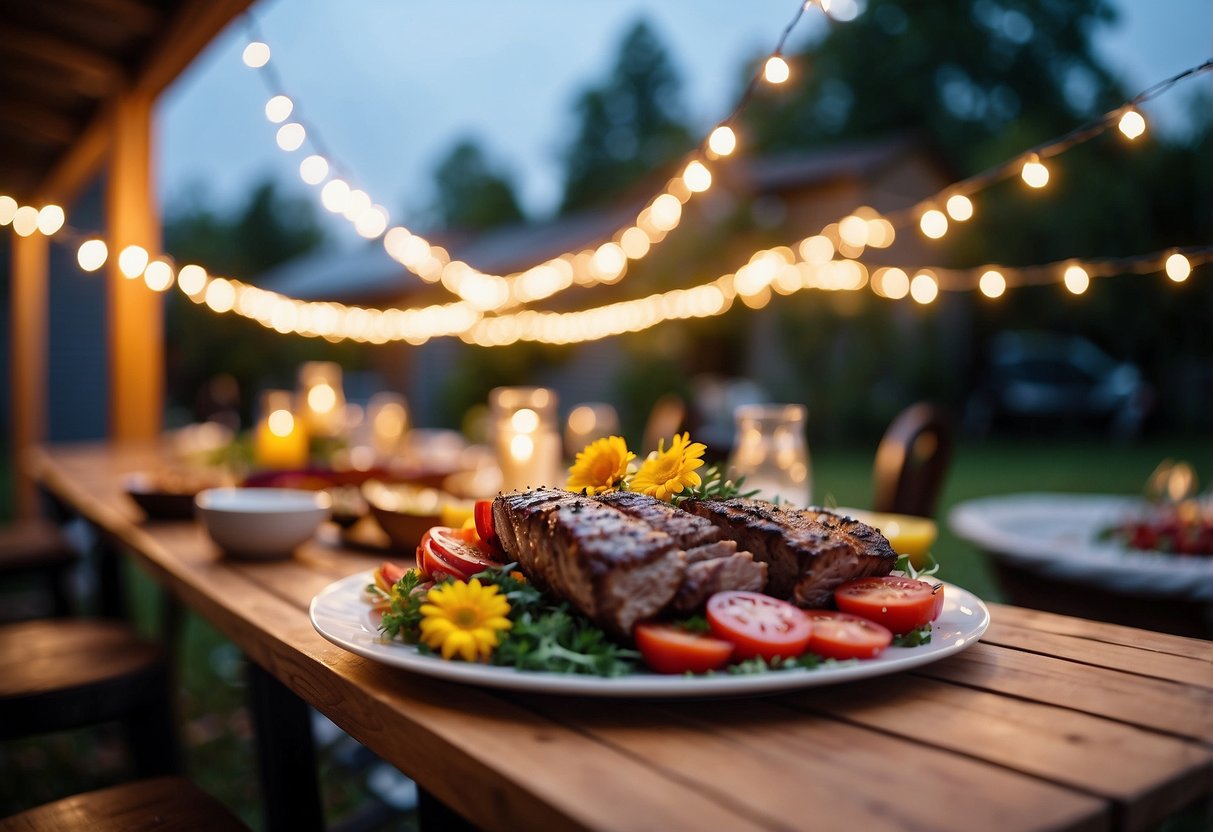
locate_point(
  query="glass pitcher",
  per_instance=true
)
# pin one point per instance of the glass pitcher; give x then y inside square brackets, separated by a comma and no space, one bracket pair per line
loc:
[770,451]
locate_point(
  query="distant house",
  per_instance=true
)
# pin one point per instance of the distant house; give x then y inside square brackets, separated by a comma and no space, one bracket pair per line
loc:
[762,201]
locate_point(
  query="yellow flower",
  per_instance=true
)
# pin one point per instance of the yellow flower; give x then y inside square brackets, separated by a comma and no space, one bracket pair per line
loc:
[666,472]
[464,619]
[600,466]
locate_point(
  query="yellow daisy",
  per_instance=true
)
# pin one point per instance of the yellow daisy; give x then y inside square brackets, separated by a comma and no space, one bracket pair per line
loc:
[464,619]
[601,466]
[667,472]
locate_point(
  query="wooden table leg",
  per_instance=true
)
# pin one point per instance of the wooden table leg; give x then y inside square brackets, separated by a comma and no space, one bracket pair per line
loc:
[286,755]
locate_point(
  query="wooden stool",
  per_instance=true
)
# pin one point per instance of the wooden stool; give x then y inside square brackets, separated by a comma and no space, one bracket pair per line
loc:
[37,549]
[162,803]
[60,674]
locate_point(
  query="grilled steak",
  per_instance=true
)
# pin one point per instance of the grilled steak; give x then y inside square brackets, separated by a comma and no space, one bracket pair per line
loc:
[613,567]
[808,552]
[706,577]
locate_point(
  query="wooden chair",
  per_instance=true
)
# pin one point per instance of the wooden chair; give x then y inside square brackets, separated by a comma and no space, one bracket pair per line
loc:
[36,552]
[912,460]
[162,803]
[62,674]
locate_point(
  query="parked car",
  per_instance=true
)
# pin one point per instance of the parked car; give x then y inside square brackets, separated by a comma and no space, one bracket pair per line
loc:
[1055,379]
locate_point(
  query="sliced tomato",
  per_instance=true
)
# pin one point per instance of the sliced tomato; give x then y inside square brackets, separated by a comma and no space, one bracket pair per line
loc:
[668,648]
[455,552]
[900,604]
[483,513]
[937,606]
[758,625]
[387,575]
[435,567]
[840,635]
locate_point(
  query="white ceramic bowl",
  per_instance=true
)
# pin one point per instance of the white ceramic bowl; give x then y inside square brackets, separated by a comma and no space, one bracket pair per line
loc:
[261,523]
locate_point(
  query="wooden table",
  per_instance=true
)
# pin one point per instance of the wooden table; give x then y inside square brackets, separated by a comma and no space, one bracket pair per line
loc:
[1048,723]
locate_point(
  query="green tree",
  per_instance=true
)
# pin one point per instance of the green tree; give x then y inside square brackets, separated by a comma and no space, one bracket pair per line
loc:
[472,194]
[629,126]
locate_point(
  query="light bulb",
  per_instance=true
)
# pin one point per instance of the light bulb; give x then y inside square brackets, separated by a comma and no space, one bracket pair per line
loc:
[992,283]
[854,231]
[1178,267]
[893,283]
[25,220]
[722,140]
[1077,280]
[359,202]
[697,177]
[278,109]
[960,207]
[313,169]
[92,254]
[132,260]
[291,136]
[335,195]
[256,54]
[776,70]
[924,288]
[371,222]
[50,219]
[191,279]
[1034,173]
[1132,124]
[665,212]
[158,275]
[8,207]
[933,223]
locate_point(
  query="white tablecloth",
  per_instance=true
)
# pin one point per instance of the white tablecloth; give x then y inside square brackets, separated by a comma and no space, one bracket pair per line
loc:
[1058,535]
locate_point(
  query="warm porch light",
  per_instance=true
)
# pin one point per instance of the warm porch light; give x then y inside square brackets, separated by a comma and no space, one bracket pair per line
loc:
[92,255]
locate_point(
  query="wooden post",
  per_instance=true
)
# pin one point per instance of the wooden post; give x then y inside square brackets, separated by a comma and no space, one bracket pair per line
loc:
[30,278]
[136,325]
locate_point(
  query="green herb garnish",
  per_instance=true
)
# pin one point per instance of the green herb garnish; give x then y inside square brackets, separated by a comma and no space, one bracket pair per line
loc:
[715,485]
[914,638]
[904,565]
[403,618]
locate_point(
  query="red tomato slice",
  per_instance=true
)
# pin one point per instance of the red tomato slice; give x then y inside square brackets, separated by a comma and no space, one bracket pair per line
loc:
[670,649]
[937,606]
[456,552]
[434,566]
[387,575]
[840,635]
[901,604]
[758,625]
[483,513]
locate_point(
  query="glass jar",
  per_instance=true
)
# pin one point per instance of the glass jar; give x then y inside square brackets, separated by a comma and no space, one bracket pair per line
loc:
[770,451]
[525,438]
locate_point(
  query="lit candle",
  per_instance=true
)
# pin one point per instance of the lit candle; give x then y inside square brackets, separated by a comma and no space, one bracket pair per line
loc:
[322,398]
[280,441]
[525,438]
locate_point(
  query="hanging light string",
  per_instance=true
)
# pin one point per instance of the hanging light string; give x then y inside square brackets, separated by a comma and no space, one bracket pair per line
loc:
[604,263]
[768,269]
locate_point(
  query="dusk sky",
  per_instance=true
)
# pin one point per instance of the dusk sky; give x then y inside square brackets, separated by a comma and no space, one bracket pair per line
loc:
[391,84]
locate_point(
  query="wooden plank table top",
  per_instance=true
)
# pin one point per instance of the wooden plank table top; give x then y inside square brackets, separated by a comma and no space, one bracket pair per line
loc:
[1048,723]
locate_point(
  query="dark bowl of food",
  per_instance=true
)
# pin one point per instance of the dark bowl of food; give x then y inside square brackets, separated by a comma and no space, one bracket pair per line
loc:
[166,496]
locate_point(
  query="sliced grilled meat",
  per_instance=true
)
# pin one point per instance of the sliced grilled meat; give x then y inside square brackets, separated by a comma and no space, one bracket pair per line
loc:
[699,538]
[808,552]
[613,567]
[706,577]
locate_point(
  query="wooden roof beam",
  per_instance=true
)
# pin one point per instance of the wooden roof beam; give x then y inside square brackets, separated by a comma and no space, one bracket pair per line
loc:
[102,73]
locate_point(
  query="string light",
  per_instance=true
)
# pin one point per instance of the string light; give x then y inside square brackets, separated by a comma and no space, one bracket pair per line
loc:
[1076,279]
[697,177]
[959,207]
[335,195]
[25,220]
[722,141]
[192,280]
[132,260]
[278,109]
[924,288]
[1178,267]
[158,275]
[1034,173]
[313,169]
[291,136]
[256,54]
[92,254]
[933,223]
[50,219]
[8,209]
[776,70]
[992,284]
[1132,124]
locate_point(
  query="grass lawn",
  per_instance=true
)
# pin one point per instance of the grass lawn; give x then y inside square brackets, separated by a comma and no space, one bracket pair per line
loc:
[216,725]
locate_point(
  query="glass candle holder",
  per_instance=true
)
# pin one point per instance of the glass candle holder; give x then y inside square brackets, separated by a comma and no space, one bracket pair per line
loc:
[587,422]
[387,417]
[524,436]
[280,441]
[322,398]
[770,451]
